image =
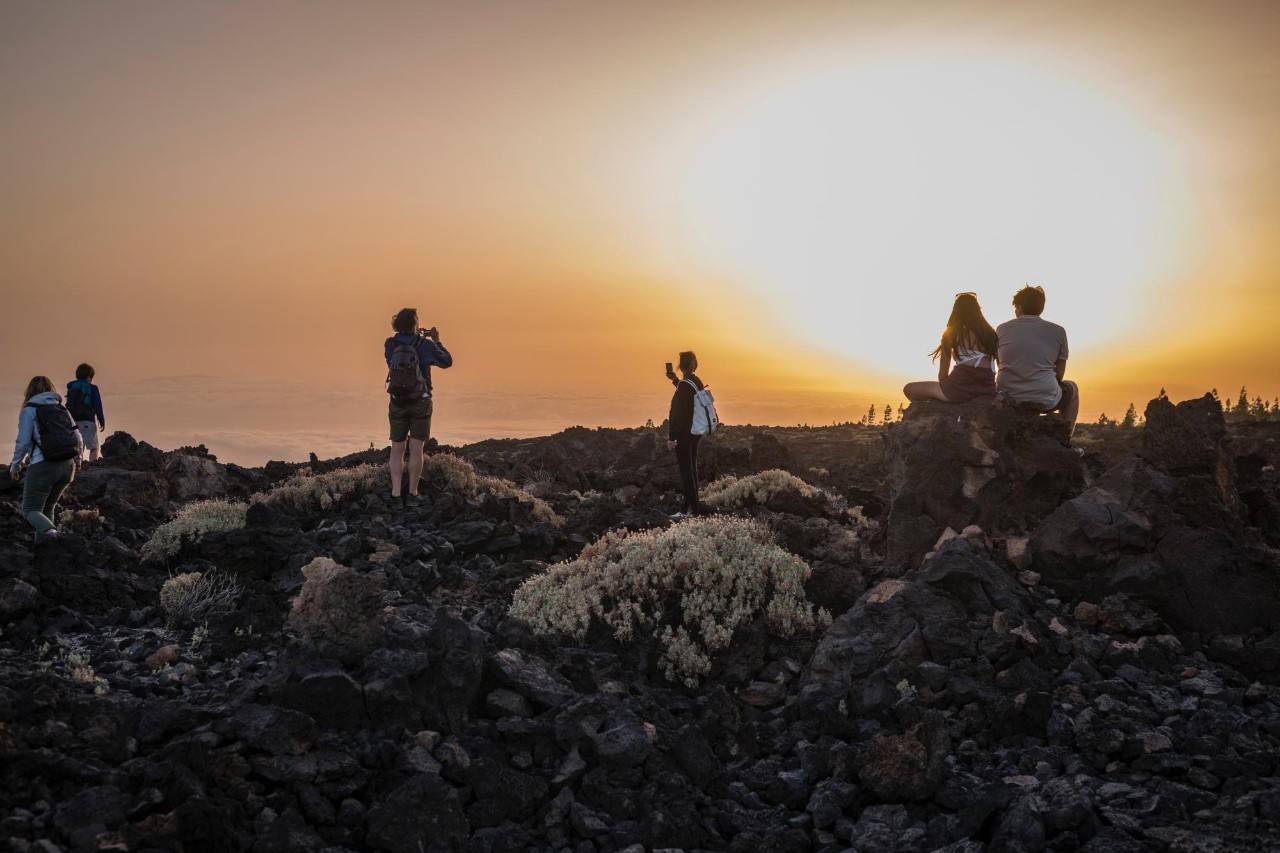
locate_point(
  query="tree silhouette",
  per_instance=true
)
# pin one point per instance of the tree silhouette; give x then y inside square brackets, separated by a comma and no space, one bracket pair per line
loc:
[871,415]
[888,413]
[1130,419]
[1242,402]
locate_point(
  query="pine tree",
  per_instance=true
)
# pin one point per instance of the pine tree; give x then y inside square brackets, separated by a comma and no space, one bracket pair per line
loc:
[871,415]
[1259,409]
[888,413]
[1130,418]
[1105,421]
[1242,403]
[1226,406]
[902,411]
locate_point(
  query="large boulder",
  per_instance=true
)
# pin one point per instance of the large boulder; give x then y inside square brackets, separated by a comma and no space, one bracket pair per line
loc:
[983,462]
[1167,527]
[928,616]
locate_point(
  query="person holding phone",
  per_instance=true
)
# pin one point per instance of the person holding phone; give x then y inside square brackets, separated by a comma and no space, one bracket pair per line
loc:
[680,431]
[410,354]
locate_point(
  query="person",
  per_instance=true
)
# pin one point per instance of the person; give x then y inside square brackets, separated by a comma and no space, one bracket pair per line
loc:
[47,436]
[410,354]
[1033,360]
[84,401]
[969,341]
[680,435]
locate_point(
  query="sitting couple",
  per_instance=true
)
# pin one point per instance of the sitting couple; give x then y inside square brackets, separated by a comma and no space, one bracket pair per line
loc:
[1032,353]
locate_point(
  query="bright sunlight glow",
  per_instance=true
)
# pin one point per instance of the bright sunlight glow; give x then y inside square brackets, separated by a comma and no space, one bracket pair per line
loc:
[858,200]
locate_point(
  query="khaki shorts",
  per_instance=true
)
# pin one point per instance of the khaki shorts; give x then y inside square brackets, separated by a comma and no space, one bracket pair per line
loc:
[410,420]
[89,432]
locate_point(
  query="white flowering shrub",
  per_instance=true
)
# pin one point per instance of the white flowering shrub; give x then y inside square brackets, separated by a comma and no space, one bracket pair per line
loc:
[461,475]
[691,585]
[737,492]
[195,596]
[309,492]
[192,522]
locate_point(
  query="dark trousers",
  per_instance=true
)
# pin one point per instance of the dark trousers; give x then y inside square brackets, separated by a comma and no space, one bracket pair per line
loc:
[687,457]
[44,485]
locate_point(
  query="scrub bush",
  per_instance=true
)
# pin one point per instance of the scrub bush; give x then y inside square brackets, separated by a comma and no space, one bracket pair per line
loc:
[195,596]
[307,492]
[461,475]
[757,489]
[690,585]
[192,522]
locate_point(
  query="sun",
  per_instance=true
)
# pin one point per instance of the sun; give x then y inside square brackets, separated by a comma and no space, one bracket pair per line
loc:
[858,197]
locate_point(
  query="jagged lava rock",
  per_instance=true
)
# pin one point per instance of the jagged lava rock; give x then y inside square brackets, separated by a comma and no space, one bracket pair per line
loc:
[982,462]
[1167,527]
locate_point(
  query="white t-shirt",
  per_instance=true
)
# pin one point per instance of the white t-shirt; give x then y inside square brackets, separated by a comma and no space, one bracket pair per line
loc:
[1029,349]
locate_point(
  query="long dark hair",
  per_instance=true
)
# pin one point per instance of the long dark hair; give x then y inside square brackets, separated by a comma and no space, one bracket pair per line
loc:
[967,327]
[37,385]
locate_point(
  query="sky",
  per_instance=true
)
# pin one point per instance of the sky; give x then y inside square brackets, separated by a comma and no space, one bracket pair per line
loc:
[220,205]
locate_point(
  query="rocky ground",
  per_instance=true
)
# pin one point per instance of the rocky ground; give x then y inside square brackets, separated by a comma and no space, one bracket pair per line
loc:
[1033,648]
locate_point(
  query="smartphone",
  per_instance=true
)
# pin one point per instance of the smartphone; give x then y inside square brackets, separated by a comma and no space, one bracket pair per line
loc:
[669,370]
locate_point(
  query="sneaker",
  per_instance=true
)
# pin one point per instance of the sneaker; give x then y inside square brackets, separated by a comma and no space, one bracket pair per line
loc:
[678,516]
[51,533]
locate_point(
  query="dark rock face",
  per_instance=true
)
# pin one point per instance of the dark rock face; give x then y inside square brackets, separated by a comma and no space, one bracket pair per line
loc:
[421,816]
[1169,528]
[984,463]
[965,701]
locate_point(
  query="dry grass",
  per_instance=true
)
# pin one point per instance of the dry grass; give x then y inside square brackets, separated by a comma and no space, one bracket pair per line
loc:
[309,492]
[721,572]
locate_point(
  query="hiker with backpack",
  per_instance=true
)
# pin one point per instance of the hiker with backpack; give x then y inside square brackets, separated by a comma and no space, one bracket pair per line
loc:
[48,437]
[84,401]
[410,353]
[693,415]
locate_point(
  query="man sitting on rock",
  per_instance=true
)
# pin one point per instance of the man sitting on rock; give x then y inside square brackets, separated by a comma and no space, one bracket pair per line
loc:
[1033,360]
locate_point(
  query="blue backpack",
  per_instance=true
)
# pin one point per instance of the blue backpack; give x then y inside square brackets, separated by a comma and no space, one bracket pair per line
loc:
[80,400]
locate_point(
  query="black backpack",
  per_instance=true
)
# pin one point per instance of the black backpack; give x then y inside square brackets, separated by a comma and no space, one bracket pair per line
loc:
[59,436]
[80,400]
[404,376]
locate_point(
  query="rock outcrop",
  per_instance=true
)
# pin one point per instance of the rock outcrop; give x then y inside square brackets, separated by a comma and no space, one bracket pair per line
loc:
[1169,528]
[962,703]
[984,463]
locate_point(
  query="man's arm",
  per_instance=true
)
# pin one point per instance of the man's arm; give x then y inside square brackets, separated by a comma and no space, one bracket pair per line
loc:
[440,356]
[1060,366]
[97,408]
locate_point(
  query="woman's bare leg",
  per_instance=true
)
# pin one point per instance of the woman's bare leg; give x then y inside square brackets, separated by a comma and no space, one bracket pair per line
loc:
[924,391]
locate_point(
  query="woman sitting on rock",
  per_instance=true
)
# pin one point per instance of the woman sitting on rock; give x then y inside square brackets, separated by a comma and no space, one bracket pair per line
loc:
[971,344]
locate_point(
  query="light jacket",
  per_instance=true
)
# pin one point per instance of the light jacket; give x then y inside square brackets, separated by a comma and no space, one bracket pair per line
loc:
[29,431]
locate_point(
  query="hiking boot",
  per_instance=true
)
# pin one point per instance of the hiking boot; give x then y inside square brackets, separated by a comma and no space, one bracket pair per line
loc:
[46,536]
[678,516]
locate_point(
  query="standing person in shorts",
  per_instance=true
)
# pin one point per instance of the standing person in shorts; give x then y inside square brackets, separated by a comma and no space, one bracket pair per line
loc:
[968,342]
[1033,360]
[84,401]
[410,354]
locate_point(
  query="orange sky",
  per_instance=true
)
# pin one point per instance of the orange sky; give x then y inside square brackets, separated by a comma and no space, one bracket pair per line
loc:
[573,192]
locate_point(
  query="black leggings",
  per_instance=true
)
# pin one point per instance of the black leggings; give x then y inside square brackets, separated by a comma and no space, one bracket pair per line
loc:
[687,456]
